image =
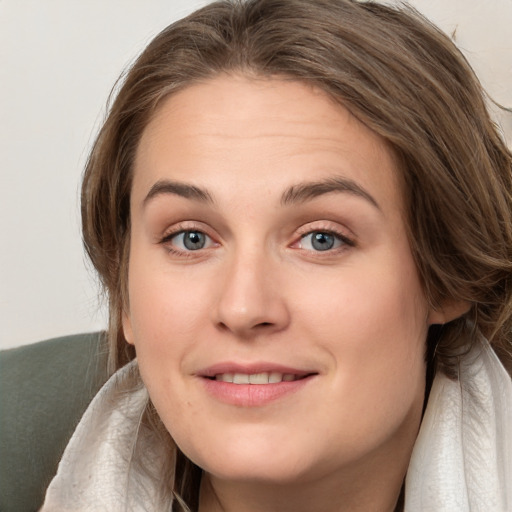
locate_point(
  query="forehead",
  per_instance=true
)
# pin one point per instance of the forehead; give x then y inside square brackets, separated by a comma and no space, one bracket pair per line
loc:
[261,134]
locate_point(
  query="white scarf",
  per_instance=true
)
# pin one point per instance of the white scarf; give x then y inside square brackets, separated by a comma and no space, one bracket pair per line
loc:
[462,458]
[461,462]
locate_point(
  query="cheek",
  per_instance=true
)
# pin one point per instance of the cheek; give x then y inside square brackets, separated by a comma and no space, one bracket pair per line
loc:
[169,312]
[373,324]
[369,305]
[166,308]
[163,323]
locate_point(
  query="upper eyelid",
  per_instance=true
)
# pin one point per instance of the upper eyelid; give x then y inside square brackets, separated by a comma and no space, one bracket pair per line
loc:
[324,226]
[334,231]
[184,226]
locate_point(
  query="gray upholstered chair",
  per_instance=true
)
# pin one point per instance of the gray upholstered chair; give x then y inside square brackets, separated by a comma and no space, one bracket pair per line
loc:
[44,390]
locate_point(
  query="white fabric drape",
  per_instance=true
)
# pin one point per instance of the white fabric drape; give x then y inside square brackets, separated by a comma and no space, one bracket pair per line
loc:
[112,462]
[462,459]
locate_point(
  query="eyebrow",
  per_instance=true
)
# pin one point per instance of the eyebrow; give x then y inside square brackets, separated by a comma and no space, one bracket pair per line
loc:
[176,188]
[299,193]
[306,191]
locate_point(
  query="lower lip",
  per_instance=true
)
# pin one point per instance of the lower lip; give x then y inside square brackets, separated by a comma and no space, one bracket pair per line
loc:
[252,395]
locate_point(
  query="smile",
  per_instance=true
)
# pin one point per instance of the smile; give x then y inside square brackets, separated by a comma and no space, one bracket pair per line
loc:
[253,385]
[257,378]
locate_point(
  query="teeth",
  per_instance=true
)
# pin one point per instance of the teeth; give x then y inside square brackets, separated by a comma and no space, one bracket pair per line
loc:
[256,378]
[275,377]
[240,378]
[226,377]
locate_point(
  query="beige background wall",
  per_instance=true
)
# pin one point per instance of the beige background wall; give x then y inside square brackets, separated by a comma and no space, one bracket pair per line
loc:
[58,61]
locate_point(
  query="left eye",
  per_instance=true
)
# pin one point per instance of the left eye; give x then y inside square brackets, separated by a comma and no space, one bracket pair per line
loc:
[321,241]
[191,240]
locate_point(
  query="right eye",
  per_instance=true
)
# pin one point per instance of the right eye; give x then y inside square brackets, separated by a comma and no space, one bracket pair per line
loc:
[189,240]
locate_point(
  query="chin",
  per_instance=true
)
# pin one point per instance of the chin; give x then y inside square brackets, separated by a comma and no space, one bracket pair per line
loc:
[264,473]
[247,460]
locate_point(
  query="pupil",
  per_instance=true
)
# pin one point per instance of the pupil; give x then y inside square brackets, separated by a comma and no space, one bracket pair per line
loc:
[322,241]
[194,240]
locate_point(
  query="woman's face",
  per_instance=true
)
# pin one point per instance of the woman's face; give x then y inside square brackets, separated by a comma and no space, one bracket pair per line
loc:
[274,304]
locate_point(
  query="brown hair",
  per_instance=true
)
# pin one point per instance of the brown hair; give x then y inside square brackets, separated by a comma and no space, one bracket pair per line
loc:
[396,73]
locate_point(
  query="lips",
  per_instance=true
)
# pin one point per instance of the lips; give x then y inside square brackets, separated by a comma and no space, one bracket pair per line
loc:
[251,369]
[253,385]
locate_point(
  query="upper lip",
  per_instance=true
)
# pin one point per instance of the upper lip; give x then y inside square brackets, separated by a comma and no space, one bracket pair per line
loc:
[251,369]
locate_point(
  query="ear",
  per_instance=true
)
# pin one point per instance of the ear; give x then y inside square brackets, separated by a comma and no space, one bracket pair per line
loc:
[127,327]
[448,311]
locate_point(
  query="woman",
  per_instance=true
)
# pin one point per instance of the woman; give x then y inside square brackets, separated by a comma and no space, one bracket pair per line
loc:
[301,212]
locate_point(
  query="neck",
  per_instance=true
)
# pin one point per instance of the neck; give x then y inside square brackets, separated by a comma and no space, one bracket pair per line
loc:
[357,490]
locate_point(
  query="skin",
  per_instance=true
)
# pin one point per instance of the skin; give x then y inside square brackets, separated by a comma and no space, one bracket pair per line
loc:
[258,290]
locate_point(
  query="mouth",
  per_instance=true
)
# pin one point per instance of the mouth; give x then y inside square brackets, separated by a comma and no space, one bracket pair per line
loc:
[253,385]
[261,378]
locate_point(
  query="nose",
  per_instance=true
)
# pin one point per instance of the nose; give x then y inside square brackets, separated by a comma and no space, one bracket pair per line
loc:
[251,301]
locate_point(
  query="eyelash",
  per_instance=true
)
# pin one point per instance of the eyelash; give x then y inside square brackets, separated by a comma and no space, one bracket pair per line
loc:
[346,242]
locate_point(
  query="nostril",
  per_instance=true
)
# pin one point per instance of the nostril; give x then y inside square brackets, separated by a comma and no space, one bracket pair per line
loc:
[223,327]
